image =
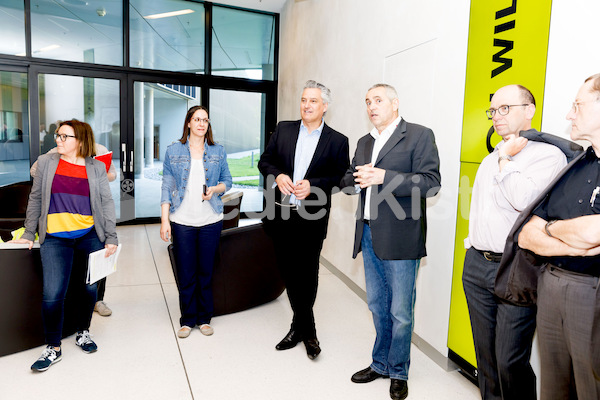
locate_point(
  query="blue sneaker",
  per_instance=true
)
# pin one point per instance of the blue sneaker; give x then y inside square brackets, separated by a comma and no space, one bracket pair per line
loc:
[84,340]
[49,356]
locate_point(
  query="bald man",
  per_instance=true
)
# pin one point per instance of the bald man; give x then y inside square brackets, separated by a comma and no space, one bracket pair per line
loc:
[507,180]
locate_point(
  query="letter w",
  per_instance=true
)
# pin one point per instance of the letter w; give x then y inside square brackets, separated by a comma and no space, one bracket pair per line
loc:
[506,62]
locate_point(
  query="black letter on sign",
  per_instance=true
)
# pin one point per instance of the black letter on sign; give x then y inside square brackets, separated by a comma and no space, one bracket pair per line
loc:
[507,11]
[506,62]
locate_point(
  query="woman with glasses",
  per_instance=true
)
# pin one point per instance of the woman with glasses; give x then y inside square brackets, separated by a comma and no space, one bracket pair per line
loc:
[101,307]
[195,176]
[72,209]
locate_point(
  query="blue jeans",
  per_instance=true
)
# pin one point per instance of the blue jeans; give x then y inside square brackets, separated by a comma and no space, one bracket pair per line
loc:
[195,249]
[63,259]
[391,297]
[502,334]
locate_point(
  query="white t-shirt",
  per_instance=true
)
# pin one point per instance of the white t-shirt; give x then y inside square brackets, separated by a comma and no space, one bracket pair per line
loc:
[193,211]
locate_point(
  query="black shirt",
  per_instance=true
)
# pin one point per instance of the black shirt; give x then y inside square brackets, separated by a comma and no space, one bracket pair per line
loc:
[570,198]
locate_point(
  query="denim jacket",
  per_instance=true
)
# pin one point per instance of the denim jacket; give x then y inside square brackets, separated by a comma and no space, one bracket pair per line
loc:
[176,171]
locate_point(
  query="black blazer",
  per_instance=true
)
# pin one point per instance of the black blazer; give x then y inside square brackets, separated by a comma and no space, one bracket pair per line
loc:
[328,165]
[410,158]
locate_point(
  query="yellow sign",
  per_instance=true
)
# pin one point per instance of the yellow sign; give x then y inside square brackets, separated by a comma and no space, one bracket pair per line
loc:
[508,44]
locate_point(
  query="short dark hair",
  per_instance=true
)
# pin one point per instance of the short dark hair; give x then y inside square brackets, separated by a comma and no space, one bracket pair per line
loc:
[186,129]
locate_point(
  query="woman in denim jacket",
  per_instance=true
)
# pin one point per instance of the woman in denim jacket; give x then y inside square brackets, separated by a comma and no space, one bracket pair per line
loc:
[195,176]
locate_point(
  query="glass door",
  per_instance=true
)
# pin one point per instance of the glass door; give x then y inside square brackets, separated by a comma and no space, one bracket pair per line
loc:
[89,99]
[159,113]
[14,128]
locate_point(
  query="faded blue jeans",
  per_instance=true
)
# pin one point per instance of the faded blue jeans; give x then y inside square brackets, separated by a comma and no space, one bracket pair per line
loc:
[391,297]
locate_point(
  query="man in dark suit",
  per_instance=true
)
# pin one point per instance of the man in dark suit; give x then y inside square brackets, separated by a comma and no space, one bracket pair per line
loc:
[395,168]
[307,159]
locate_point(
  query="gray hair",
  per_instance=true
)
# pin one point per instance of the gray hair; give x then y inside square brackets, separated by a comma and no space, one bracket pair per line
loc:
[595,85]
[325,92]
[389,90]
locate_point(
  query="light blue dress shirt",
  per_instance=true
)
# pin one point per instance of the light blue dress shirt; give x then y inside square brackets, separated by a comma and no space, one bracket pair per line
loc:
[305,150]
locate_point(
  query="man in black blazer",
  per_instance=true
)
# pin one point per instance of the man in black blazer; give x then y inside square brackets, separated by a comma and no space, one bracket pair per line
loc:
[395,168]
[306,159]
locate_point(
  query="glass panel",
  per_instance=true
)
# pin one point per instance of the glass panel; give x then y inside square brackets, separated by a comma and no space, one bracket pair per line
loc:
[13,27]
[237,119]
[159,113]
[75,30]
[93,100]
[167,35]
[14,128]
[243,44]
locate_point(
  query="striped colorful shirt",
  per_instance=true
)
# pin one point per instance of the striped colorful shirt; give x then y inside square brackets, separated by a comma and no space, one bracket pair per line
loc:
[70,214]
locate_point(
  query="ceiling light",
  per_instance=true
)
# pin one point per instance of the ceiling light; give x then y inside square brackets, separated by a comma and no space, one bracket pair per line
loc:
[169,14]
[47,48]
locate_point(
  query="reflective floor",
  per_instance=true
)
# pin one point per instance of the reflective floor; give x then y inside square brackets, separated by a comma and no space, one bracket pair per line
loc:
[140,357]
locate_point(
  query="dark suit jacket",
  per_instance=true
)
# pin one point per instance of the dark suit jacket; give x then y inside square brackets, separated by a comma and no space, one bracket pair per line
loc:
[330,161]
[411,161]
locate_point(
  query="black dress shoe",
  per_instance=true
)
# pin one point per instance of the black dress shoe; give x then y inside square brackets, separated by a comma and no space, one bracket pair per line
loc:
[366,375]
[289,341]
[398,389]
[312,348]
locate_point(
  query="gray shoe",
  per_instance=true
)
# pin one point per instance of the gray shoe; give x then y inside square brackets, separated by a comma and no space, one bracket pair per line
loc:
[102,309]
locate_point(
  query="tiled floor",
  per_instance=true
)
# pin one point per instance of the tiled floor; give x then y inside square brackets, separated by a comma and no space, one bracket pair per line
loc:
[140,356]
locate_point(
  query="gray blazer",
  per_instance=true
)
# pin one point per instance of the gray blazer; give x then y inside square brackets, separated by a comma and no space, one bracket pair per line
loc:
[103,206]
[412,166]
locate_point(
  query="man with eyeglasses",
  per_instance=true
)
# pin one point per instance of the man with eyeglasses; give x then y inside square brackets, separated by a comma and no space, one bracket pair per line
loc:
[507,180]
[565,232]
[307,159]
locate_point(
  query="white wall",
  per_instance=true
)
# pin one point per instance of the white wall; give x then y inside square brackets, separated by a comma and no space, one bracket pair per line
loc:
[420,48]
[572,57]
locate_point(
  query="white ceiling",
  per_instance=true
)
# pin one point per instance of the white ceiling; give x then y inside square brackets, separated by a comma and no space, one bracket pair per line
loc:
[264,5]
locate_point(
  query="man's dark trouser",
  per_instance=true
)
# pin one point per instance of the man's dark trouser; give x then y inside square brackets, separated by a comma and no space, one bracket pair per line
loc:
[298,244]
[568,318]
[502,334]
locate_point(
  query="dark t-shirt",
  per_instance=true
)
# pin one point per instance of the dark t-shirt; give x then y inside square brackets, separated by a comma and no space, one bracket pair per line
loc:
[572,197]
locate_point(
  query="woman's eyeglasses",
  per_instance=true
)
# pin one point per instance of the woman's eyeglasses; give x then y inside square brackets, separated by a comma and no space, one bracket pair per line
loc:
[62,136]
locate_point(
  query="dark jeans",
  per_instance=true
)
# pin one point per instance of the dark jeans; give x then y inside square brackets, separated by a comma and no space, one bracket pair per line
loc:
[298,244]
[61,260]
[502,333]
[195,249]
[101,289]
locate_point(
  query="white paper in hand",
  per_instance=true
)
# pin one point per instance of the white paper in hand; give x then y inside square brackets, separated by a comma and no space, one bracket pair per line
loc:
[100,267]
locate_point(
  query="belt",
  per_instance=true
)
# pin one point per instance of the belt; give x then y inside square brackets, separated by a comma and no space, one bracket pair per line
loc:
[490,255]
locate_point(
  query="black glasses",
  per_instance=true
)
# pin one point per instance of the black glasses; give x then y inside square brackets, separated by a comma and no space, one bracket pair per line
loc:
[502,110]
[62,136]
